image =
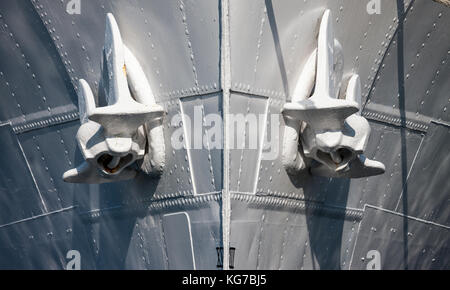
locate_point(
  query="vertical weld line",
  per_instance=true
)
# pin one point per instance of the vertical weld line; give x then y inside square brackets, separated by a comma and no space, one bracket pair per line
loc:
[259,42]
[409,172]
[261,232]
[225,75]
[163,240]
[356,242]
[189,43]
[208,147]
[283,245]
[263,134]
[188,145]
[243,145]
[32,176]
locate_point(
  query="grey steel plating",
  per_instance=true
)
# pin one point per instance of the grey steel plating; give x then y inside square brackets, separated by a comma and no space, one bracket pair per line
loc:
[348,170]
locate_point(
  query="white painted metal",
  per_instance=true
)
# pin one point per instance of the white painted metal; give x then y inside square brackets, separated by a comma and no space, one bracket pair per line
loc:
[331,130]
[112,138]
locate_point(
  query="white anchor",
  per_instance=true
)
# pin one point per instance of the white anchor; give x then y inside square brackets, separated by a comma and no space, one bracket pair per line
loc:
[330,130]
[114,137]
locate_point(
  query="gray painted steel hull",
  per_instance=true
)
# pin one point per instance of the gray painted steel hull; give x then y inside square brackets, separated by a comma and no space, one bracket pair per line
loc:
[181,220]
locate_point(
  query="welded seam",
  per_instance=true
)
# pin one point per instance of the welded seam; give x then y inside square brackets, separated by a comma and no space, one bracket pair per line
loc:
[32,176]
[188,146]
[354,246]
[225,71]
[409,173]
[189,44]
[211,169]
[38,216]
[261,144]
[54,120]
[407,216]
[241,158]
